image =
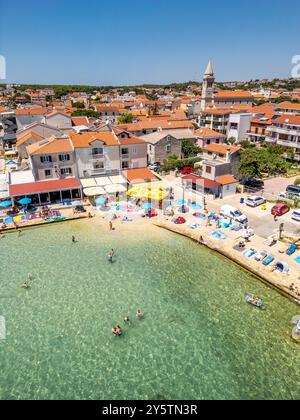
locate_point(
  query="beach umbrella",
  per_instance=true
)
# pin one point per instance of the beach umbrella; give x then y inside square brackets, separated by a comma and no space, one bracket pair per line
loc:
[147,206]
[6,203]
[180,202]
[100,200]
[25,201]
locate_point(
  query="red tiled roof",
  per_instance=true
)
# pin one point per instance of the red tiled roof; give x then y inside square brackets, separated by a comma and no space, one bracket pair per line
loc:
[43,186]
[233,94]
[226,180]
[139,175]
[205,183]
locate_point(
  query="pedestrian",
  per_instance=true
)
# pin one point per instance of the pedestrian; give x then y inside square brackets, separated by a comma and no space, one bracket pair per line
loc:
[110,225]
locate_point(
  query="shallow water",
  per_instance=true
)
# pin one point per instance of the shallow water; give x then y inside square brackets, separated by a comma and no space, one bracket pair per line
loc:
[198,338]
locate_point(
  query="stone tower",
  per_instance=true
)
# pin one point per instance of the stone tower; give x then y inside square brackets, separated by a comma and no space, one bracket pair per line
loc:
[208,86]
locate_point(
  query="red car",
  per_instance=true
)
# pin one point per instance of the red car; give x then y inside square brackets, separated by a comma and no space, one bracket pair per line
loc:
[186,170]
[279,209]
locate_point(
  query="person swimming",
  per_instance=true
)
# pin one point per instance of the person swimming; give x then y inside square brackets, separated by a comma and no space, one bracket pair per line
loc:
[25,285]
[139,314]
[114,330]
[119,330]
[126,319]
[110,258]
[74,239]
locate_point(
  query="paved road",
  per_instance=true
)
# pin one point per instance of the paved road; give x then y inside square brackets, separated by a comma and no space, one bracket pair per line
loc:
[261,221]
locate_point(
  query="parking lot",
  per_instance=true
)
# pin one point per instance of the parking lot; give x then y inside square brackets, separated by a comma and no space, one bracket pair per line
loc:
[261,220]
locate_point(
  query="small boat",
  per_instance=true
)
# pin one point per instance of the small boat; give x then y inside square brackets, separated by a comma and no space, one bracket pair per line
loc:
[255,301]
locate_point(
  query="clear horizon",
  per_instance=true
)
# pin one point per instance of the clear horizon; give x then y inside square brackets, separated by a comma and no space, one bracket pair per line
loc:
[145,43]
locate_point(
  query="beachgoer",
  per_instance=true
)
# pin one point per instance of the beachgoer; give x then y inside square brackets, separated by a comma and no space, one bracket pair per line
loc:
[113,252]
[19,234]
[110,225]
[119,330]
[139,314]
[90,215]
[30,276]
[126,319]
[73,239]
[110,258]
[201,240]
[114,330]
[275,217]
[25,285]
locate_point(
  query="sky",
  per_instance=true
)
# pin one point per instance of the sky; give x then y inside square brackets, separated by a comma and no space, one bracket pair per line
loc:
[133,42]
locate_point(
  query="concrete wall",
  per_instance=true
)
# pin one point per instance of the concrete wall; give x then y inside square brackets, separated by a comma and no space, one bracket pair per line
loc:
[228,190]
[59,121]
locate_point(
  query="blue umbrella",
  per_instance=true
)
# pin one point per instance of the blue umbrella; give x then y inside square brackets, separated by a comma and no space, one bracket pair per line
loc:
[25,201]
[180,202]
[100,200]
[147,206]
[6,203]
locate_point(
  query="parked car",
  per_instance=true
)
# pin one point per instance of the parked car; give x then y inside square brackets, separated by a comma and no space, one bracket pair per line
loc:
[255,201]
[293,190]
[154,166]
[233,213]
[280,209]
[296,215]
[186,170]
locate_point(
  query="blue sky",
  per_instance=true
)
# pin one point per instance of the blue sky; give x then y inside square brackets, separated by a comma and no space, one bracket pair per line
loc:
[147,41]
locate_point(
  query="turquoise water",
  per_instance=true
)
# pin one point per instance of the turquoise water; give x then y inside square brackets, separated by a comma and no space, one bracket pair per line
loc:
[198,339]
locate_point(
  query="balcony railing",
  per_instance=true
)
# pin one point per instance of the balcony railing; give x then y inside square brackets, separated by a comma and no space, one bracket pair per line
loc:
[287,131]
[125,156]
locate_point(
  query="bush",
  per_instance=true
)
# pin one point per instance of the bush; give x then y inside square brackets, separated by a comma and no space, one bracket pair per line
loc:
[297,181]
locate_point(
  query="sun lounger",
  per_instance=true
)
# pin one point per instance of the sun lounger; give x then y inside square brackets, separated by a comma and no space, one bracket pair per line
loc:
[291,250]
[269,258]
[249,253]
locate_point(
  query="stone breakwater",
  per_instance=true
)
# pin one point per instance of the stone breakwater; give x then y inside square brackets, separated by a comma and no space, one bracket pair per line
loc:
[281,281]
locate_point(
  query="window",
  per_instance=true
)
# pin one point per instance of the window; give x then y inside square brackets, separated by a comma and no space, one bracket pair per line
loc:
[263,131]
[168,148]
[46,159]
[47,173]
[134,151]
[125,164]
[208,170]
[64,158]
[98,165]
[66,171]
[96,151]
[125,152]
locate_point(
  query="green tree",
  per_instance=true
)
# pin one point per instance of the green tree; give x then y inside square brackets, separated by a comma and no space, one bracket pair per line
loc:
[189,148]
[78,105]
[125,118]
[85,113]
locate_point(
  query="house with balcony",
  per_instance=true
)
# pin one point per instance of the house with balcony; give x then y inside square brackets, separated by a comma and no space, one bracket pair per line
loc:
[108,152]
[205,136]
[52,158]
[285,131]
[287,107]
[215,119]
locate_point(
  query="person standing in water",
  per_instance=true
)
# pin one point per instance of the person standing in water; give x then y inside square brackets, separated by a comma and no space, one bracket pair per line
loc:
[73,239]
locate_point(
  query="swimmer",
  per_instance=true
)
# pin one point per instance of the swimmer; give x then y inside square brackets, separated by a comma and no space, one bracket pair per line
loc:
[119,330]
[113,252]
[19,233]
[126,319]
[73,239]
[114,330]
[25,285]
[139,314]
[30,276]
[110,258]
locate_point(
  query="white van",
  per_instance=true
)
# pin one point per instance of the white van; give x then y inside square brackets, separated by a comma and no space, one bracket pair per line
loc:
[233,213]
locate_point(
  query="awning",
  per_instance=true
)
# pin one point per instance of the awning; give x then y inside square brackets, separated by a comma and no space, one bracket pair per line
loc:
[117,179]
[114,188]
[102,180]
[44,187]
[93,191]
[88,182]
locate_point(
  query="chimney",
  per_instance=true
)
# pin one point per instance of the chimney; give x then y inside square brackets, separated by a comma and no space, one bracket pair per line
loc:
[228,154]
